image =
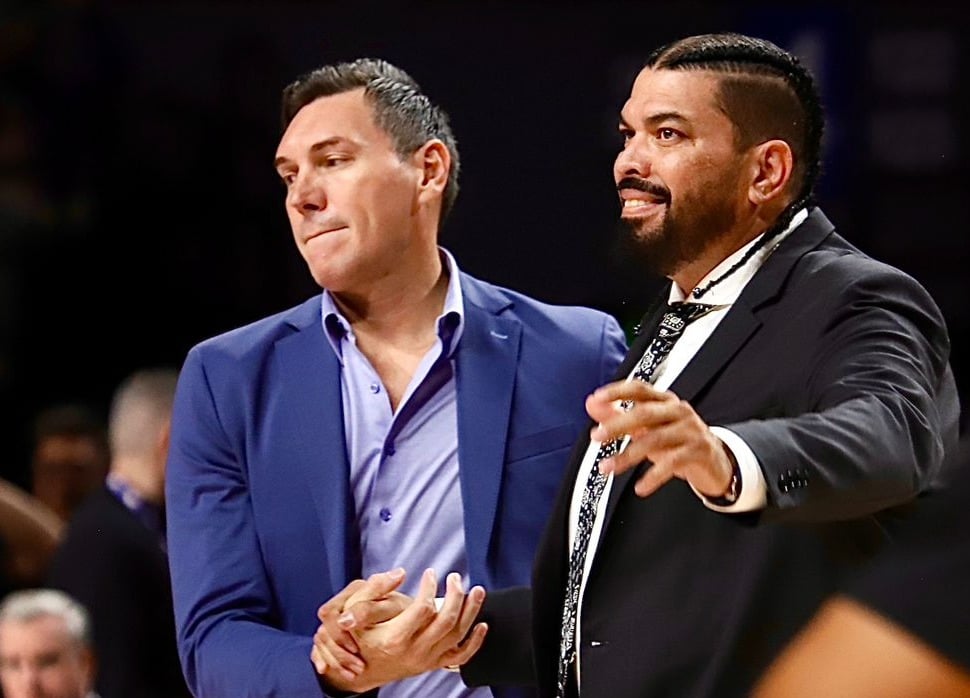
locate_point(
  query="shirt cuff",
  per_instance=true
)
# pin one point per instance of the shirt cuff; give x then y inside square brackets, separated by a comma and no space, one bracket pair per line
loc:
[754,489]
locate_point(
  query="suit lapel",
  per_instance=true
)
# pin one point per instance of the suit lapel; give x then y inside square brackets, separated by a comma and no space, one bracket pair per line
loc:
[485,368]
[742,319]
[311,401]
[740,323]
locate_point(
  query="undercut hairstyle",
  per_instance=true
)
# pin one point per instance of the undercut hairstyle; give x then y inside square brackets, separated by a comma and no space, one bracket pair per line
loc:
[30,604]
[766,93]
[400,108]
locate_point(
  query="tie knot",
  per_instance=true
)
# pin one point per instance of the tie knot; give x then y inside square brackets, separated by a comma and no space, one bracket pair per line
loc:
[681,314]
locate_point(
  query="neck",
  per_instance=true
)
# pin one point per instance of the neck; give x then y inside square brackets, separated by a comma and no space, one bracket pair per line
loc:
[404,308]
[691,273]
[763,220]
[137,475]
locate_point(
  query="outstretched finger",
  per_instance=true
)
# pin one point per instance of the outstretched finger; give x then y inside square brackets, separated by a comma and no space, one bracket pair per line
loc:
[655,477]
[416,617]
[454,629]
[449,612]
[464,652]
[470,610]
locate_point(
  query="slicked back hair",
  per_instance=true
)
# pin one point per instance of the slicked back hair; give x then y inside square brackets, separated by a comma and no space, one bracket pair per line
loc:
[401,109]
[765,91]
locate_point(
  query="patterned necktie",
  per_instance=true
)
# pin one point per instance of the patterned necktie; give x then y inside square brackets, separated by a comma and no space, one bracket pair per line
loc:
[671,327]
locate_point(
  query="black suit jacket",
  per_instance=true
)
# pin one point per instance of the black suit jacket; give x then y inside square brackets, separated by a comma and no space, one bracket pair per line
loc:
[833,367]
[117,569]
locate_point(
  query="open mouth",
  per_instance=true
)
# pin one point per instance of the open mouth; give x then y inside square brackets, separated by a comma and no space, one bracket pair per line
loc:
[640,203]
[638,196]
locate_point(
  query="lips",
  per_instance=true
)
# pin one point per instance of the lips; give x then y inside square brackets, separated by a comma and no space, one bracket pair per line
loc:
[633,202]
[640,196]
[324,231]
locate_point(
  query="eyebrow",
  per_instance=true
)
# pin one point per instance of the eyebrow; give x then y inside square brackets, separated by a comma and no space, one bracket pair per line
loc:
[659,117]
[319,145]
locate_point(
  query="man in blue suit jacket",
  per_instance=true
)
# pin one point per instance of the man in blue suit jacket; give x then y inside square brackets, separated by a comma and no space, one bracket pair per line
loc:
[410,415]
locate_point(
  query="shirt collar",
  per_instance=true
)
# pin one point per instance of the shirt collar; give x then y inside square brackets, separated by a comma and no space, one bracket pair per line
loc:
[451,322]
[150,514]
[726,292]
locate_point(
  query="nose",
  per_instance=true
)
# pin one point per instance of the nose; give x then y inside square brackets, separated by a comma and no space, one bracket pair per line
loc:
[307,194]
[633,161]
[26,682]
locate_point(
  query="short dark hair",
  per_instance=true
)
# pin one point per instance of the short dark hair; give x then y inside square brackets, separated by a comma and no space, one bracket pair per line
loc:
[401,109]
[73,420]
[765,91]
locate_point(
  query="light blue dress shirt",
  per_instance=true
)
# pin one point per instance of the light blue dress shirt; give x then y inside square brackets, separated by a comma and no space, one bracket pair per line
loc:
[404,468]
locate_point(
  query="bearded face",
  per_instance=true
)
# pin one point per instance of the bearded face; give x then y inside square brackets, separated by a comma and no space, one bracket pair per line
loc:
[679,174]
[678,231]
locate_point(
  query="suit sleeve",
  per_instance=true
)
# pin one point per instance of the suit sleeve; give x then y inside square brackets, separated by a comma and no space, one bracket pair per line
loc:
[614,349]
[505,658]
[225,614]
[879,406]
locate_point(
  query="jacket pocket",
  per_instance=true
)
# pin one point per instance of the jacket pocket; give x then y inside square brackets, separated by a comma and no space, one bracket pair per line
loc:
[545,441]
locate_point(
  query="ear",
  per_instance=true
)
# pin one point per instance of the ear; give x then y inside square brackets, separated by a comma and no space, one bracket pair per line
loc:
[162,440]
[89,668]
[434,163]
[773,165]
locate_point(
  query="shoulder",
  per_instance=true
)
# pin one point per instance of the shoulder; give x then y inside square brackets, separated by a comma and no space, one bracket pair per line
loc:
[256,336]
[248,346]
[101,516]
[101,527]
[534,314]
[837,261]
[837,272]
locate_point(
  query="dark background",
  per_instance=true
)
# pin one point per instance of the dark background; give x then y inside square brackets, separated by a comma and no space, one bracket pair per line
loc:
[139,210]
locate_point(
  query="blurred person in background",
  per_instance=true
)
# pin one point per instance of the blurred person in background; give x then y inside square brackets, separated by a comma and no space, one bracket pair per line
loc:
[70,456]
[29,534]
[113,558]
[901,627]
[45,646]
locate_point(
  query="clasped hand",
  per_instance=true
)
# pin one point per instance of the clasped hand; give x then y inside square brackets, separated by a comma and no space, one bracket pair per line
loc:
[370,634]
[664,430]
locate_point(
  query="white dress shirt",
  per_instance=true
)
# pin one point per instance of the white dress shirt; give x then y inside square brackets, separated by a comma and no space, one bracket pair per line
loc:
[754,489]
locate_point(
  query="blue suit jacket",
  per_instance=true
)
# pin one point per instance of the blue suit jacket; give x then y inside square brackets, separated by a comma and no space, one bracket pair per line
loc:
[260,513]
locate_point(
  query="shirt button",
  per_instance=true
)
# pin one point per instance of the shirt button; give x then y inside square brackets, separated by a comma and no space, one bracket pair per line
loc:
[385,514]
[375,388]
[389,450]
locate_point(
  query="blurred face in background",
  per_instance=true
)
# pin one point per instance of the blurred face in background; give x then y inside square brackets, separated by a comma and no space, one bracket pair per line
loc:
[66,468]
[40,659]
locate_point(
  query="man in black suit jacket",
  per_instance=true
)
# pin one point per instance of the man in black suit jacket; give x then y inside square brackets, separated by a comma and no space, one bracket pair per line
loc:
[113,557]
[773,449]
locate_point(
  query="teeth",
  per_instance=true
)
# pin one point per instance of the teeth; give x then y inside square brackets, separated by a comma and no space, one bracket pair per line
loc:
[635,203]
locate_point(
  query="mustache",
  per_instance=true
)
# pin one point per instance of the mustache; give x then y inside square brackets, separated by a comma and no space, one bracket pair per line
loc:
[643,185]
